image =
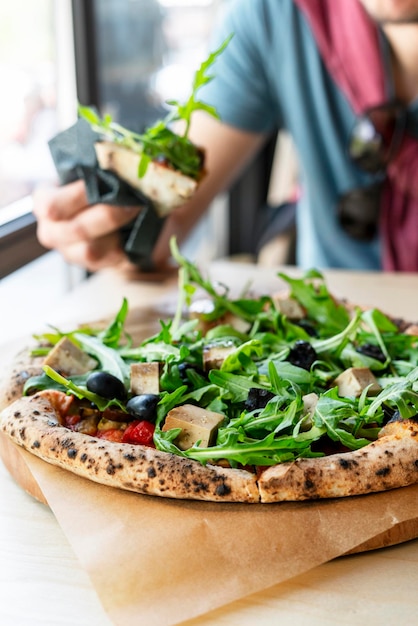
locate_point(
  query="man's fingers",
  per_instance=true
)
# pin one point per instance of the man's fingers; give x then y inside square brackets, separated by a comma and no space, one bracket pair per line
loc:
[60,203]
[94,222]
[96,255]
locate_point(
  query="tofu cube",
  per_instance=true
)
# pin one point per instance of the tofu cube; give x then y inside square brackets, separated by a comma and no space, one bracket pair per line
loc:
[145,378]
[412,330]
[354,380]
[67,358]
[288,306]
[214,356]
[196,424]
[310,400]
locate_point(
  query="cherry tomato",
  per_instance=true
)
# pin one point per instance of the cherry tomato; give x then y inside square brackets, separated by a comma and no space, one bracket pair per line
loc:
[71,421]
[139,432]
[112,434]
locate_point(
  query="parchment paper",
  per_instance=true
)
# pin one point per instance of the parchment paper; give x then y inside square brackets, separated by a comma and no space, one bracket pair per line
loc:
[159,561]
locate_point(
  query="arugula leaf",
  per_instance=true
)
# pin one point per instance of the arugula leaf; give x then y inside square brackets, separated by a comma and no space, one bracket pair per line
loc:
[112,335]
[312,292]
[184,111]
[237,386]
[109,359]
[241,449]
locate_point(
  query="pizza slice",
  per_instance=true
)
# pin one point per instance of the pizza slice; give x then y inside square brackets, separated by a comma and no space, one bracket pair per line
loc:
[165,166]
[261,398]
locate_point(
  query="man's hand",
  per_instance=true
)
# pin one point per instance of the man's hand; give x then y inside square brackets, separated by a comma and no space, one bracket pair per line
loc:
[85,235]
[88,236]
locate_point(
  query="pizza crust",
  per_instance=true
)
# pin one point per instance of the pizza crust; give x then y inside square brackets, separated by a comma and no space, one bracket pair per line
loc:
[32,423]
[23,367]
[388,463]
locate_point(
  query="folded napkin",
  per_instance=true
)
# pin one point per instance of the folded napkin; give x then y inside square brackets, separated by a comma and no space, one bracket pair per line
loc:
[75,158]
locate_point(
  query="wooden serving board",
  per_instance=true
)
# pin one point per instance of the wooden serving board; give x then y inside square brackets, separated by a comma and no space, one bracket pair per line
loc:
[19,470]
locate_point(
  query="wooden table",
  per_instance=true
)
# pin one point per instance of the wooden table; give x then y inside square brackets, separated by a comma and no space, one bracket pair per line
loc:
[42,582]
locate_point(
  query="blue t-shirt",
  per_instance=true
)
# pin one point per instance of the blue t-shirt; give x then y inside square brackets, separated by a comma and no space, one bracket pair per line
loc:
[271,76]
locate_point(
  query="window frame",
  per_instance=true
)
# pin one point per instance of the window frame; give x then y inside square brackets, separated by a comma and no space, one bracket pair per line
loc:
[18,241]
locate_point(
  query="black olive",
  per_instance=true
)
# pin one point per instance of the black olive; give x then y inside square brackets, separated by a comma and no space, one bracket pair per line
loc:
[390,414]
[144,406]
[184,367]
[371,350]
[257,398]
[307,327]
[302,354]
[106,385]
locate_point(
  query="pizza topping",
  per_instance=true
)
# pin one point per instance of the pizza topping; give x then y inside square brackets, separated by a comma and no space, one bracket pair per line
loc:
[139,432]
[257,398]
[215,354]
[197,426]
[373,351]
[280,390]
[288,306]
[68,358]
[145,378]
[302,354]
[106,385]
[144,406]
[355,380]
[59,401]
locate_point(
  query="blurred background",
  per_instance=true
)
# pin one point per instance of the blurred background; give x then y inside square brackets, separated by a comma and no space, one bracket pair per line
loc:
[126,57]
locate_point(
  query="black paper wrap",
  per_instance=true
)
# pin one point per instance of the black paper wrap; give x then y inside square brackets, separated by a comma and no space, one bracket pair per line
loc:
[75,158]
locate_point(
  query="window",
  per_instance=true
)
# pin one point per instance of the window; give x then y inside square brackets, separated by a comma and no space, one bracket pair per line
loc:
[36,52]
[124,56]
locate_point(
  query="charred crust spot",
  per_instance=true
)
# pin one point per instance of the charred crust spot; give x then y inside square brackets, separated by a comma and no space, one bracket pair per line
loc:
[222,490]
[383,471]
[161,481]
[83,457]
[129,457]
[347,463]
[36,444]
[13,432]
[36,412]
[151,472]
[309,484]
[67,443]
[111,468]
[16,414]
[72,453]
[22,433]
[199,486]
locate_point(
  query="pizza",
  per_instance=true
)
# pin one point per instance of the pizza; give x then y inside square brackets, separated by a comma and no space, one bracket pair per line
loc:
[261,398]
